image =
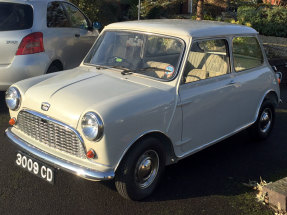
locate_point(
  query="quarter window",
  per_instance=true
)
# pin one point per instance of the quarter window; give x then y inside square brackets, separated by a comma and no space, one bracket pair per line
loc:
[206,59]
[15,16]
[247,53]
[56,17]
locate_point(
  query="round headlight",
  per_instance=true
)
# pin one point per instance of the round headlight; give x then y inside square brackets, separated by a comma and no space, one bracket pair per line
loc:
[92,126]
[13,98]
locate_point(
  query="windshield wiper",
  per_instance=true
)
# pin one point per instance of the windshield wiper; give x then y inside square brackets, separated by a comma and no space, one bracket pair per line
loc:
[126,71]
[153,68]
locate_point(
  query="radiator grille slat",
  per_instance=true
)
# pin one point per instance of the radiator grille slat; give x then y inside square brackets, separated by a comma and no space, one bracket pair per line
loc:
[51,134]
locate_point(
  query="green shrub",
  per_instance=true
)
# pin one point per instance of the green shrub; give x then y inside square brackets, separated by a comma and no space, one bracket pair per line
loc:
[267,20]
[161,8]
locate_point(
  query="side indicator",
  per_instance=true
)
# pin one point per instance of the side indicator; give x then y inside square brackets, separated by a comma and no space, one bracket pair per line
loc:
[12,121]
[91,154]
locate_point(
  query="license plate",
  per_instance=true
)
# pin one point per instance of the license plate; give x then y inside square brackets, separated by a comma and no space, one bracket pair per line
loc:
[35,167]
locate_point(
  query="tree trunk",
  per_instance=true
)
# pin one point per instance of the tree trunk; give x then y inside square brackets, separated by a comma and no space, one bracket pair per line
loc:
[199,10]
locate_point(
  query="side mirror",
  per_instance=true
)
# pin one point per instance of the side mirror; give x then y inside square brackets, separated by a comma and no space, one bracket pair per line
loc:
[97,25]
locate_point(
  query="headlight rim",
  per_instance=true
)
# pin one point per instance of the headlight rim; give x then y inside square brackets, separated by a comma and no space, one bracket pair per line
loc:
[100,126]
[18,104]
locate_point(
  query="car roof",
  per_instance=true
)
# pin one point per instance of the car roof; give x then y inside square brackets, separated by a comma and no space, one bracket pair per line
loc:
[184,27]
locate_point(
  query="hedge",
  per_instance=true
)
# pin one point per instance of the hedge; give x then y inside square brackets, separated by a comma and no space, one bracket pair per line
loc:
[267,20]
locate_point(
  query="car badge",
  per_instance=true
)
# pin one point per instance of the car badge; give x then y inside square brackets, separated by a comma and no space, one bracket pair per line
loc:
[45,106]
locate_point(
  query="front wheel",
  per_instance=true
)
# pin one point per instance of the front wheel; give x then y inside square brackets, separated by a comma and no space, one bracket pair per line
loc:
[263,126]
[141,169]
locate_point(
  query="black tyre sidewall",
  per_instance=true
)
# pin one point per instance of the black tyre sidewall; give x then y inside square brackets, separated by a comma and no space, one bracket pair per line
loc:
[127,169]
[256,133]
[53,68]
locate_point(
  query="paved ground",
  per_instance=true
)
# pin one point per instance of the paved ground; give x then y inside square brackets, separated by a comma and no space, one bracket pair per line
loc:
[209,182]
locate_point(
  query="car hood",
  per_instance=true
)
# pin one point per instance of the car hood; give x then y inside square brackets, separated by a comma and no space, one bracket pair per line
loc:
[73,92]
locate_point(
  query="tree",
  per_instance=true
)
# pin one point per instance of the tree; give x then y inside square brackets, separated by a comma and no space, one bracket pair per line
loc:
[199,10]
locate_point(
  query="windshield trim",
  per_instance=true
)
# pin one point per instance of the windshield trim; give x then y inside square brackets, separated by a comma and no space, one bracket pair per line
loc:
[180,59]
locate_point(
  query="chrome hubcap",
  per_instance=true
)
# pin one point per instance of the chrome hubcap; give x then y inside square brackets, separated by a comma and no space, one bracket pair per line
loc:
[147,168]
[265,120]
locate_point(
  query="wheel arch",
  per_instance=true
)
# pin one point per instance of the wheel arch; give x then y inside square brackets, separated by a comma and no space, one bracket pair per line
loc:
[165,141]
[56,62]
[269,95]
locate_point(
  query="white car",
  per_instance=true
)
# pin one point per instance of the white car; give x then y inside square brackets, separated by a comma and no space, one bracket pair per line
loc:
[39,37]
[148,94]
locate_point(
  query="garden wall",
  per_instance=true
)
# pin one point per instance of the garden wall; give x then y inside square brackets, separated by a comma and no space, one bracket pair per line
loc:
[274,46]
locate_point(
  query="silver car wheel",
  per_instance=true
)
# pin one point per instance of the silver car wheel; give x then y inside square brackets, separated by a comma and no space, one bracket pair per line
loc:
[265,120]
[147,168]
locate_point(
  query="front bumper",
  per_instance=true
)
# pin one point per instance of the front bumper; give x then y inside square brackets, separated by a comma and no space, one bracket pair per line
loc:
[80,171]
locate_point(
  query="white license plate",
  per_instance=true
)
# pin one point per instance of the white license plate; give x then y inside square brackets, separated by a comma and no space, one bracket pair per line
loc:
[35,167]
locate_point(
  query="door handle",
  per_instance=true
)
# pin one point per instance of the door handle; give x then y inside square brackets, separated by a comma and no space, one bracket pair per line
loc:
[232,82]
[77,35]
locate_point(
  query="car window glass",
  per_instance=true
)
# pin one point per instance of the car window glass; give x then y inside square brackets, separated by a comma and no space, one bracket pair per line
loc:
[56,16]
[247,53]
[158,46]
[15,16]
[206,59]
[77,19]
[134,52]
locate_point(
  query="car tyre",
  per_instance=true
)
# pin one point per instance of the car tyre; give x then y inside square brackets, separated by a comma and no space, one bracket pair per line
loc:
[141,169]
[54,68]
[263,126]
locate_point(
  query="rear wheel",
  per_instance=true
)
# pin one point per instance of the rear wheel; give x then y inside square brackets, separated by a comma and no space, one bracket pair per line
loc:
[55,67]
[263,126]
[141,169]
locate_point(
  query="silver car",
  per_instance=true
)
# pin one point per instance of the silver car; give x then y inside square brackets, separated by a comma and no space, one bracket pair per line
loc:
[148,94]
[38,37]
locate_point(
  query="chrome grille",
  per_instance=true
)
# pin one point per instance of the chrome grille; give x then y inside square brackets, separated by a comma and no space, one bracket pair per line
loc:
[50,132]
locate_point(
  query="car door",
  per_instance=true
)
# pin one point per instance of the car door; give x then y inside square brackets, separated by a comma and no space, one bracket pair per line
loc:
[206,95]
[83,32]
[59,37]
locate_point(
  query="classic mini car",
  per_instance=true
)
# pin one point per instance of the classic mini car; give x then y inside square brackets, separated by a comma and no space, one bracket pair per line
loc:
[148,94]
[39,37]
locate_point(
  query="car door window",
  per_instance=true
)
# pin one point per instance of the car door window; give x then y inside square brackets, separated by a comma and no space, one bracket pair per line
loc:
[56,17]
[77,19]
[247,53]
[206,59]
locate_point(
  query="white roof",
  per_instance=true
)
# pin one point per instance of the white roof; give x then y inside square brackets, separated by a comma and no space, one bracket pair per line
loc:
[183,27]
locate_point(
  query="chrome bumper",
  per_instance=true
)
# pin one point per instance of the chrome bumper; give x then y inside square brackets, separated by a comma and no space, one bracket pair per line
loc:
[80,171]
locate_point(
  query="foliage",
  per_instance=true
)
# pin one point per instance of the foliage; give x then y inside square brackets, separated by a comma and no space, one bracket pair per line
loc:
[160,8]
[269,21]
[104,12]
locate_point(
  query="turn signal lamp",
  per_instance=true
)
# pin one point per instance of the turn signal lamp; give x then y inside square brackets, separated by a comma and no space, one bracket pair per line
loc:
[91,154]
[12,121]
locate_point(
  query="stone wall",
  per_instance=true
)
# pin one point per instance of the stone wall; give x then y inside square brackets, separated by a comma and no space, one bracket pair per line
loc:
[274,46]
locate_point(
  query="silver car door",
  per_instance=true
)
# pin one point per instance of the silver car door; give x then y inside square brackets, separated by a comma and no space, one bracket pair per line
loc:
[206,95]
[84,33]
[59,36]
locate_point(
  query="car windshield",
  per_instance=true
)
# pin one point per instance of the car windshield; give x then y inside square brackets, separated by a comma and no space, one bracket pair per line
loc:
[15,16]
[151,55]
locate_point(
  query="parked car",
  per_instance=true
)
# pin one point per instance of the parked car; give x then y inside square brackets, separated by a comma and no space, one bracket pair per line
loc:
[148,94]
[279,65]
[38,37]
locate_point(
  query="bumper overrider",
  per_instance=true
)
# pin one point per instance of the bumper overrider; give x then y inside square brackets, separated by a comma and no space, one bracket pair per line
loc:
[56,162]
